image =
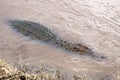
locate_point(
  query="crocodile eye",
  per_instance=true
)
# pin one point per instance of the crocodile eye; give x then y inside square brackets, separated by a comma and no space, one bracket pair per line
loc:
[82,50]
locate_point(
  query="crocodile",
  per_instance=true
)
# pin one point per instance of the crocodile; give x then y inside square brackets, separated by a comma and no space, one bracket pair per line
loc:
[40,32]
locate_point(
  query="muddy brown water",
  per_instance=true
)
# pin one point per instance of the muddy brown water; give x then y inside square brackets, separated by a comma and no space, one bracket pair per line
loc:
[73,20]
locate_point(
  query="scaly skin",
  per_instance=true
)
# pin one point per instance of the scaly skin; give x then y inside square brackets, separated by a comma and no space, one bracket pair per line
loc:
[42,33]
[78,48]
[33,30]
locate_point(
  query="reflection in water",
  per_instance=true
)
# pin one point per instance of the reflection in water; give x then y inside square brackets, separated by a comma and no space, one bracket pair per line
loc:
[42,33]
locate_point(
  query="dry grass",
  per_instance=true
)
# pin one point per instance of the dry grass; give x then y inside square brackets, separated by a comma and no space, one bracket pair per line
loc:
[9,73]
[29,72]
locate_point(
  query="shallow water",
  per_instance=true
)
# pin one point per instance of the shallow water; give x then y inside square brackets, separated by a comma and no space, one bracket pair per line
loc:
[95,24]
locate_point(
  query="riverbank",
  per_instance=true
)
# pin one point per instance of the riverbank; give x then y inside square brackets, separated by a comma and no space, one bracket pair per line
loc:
[7,72]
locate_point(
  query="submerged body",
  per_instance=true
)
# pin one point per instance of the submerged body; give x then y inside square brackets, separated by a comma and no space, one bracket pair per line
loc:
[33,30]
[42,33]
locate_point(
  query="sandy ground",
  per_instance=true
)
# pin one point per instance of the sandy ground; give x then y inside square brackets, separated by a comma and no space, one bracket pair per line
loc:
[95,23]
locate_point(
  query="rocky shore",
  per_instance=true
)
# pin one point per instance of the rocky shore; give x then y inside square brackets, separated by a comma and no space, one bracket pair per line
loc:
[7,72]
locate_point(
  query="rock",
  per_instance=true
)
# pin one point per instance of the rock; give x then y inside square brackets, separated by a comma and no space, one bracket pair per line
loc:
[9,73]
